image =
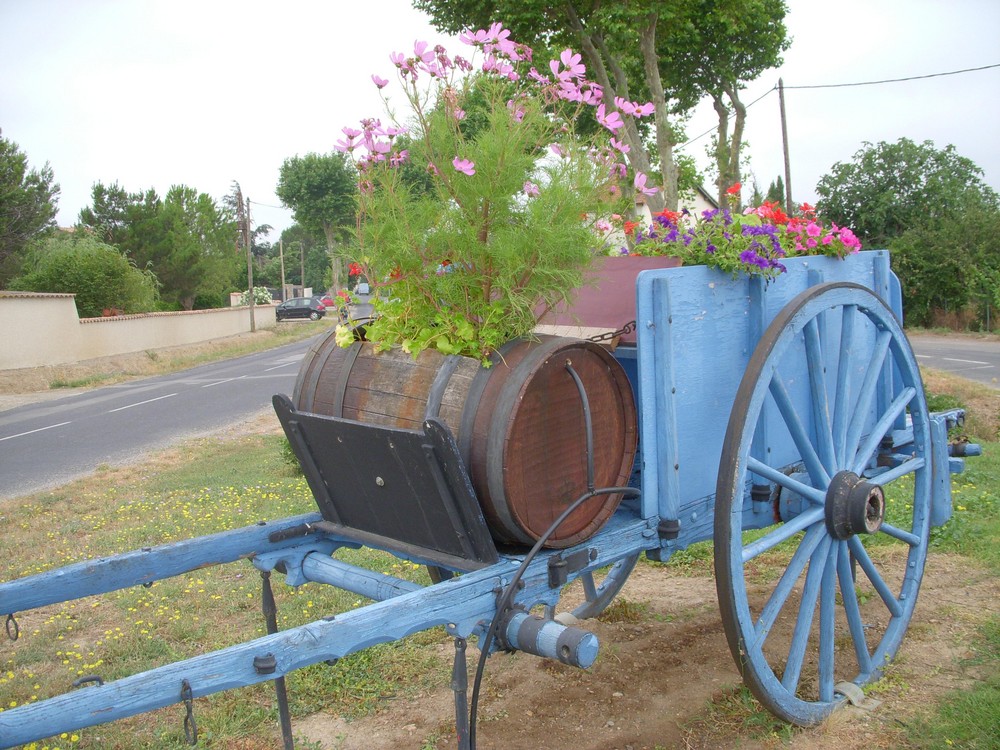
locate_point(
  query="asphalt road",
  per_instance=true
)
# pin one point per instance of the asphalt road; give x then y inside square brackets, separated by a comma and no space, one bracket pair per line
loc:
[47,444]
[973,358]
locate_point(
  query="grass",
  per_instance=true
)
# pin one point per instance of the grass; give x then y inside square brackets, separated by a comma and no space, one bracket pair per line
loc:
[969,718]
[966,718]
[208,485]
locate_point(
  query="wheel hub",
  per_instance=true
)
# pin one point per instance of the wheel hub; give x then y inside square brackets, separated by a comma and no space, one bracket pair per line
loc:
[853,506]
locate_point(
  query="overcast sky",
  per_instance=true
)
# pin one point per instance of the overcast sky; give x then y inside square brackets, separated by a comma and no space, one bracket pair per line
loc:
[151,93]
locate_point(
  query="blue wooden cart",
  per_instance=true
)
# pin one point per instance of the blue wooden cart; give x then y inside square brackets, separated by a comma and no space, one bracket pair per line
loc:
[783,420]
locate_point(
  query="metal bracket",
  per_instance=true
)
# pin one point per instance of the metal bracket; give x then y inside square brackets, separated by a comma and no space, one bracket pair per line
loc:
[856,696]
[560,566]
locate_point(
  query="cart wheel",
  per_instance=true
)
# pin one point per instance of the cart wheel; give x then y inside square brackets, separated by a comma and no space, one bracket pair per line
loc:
[831,388]
[599,588]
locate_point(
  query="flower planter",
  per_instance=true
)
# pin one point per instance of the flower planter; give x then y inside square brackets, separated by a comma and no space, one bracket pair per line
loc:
[519,424]
[606,300]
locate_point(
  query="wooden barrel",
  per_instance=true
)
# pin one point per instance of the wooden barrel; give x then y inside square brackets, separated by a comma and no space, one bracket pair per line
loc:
[519,424]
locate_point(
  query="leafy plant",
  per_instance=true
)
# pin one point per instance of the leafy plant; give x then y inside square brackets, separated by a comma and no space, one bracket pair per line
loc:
[99,275]
[498,229]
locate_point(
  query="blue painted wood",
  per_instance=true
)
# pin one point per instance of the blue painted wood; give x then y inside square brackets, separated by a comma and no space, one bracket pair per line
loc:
[696,332]
[463,605]
[806,365]
[145,565]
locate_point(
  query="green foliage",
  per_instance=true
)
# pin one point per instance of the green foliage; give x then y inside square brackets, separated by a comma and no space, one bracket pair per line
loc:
[935,213]
[320,189]
[950,265]
[465,266]
[99,275]
[27,206]
[891,188]
[968,718]
[669,52]
[776,191]
[186,239]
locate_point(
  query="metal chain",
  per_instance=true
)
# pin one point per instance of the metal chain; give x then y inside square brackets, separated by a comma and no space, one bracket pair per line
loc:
[13,629]
[190,727]
[627,328]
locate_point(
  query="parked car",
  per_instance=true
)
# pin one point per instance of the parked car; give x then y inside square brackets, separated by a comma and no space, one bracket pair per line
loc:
[300,307]
[363,288]
[325,299]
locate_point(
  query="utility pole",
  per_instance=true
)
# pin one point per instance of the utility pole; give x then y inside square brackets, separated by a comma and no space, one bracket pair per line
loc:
[784,144]
[281,257]
[243,218]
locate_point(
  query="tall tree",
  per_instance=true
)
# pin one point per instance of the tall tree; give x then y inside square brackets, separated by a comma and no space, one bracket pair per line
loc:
[731,42]
[320,190]
[890,188]
[28,199]
[185,238]
[671,52]
[194,255]
[121,218]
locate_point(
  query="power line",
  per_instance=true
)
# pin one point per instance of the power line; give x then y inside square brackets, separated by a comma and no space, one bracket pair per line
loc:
[713,128]
[268,205]
[847,85]
[894,80]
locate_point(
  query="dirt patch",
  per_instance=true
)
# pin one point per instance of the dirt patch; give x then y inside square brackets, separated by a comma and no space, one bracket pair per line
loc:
[668,681]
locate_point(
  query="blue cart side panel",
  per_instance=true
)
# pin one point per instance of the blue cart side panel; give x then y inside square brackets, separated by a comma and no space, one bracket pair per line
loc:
[697,329]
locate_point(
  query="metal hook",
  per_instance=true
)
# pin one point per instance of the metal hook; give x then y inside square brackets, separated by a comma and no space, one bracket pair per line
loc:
[190,726]
[13,629]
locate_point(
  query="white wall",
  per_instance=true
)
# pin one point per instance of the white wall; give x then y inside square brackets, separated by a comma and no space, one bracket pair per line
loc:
[44,329]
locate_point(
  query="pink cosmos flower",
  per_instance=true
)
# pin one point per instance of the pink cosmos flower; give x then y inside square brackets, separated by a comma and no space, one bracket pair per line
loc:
[421,52]
[611,121]
[619,146]
[464,166]
[556,149]
[531,189]
[472,38]
[625,106]
[380,82]
[536,76]
[639,183]
[573,63]
[602,225]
